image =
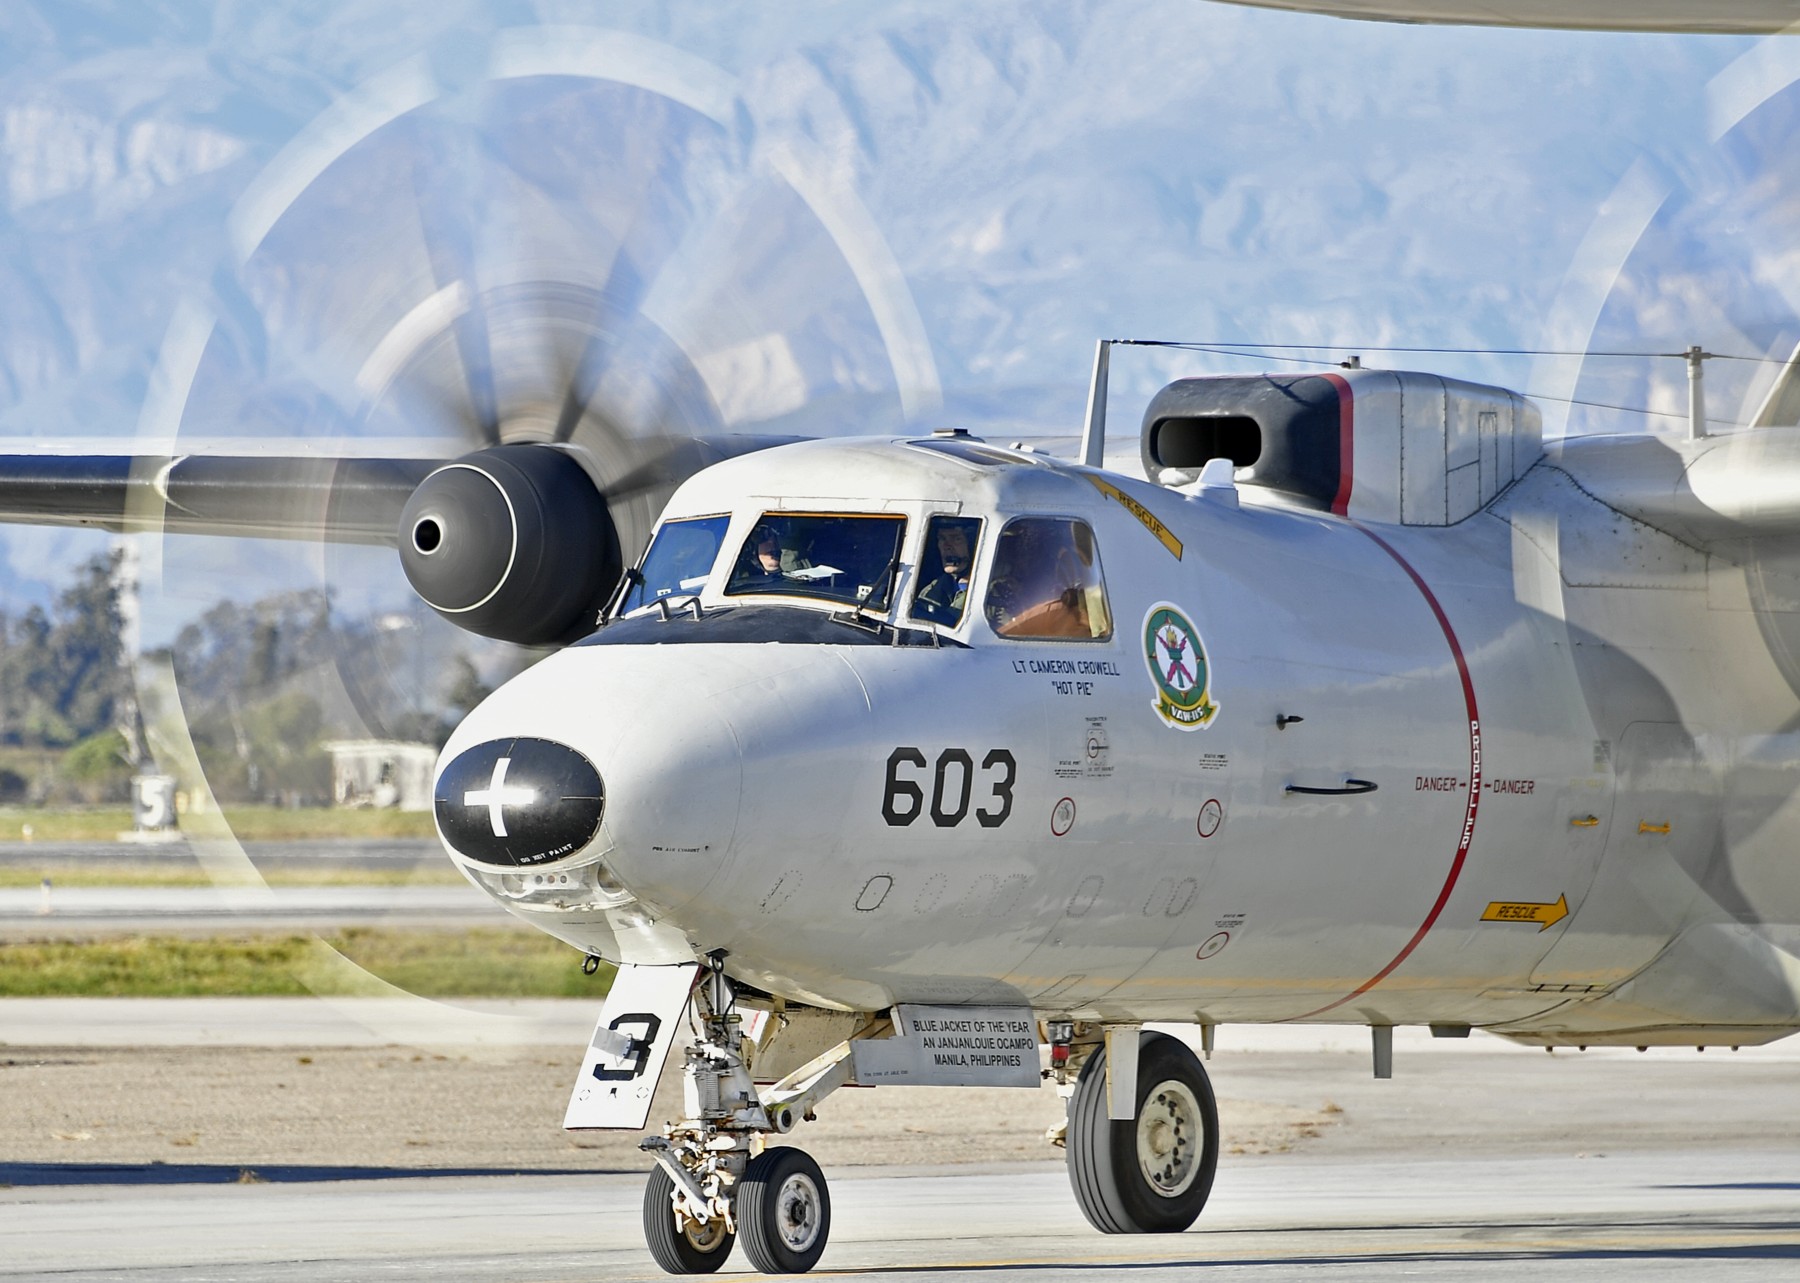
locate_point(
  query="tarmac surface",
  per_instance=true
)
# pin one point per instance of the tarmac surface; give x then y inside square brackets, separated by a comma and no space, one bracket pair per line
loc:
[403,1020]
[64,912]
[1478,1160]
[83,912]
[1672,1216]
[378,853]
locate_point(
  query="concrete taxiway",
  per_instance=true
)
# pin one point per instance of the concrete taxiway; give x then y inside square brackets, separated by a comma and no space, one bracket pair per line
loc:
[62,912]
[1479,1160]
[53,911]
[362,853]
[400,1020]
[1659,1216]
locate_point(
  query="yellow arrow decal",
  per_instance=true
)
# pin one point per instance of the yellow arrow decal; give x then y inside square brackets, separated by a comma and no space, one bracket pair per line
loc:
[1546,915]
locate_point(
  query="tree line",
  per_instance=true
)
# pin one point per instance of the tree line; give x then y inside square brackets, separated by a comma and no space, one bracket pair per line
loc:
[263,685]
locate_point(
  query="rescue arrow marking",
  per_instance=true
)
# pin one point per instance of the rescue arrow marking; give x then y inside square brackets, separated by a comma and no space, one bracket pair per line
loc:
[1545,915]
[1144,515]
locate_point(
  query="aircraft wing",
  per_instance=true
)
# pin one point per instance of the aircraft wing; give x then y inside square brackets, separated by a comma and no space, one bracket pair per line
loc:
[1741,17]
[346,500]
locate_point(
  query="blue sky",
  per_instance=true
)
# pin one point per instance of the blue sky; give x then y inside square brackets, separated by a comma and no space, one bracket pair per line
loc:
[876,211]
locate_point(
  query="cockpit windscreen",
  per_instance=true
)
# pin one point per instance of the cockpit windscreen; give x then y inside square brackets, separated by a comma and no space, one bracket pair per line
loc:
[1046,584]
[945,565]
[849,558]
[681,556]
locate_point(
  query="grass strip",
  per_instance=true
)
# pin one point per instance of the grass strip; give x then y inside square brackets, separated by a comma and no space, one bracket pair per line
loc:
[481,962]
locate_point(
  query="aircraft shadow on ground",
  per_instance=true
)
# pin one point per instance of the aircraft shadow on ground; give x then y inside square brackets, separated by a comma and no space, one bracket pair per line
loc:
[24,1174]
[1049,1269]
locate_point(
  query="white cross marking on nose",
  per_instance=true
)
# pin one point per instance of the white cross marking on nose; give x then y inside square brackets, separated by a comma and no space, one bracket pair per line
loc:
[497,795]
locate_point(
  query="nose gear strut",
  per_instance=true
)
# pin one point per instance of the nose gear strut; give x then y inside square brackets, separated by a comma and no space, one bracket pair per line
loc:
[713,1183]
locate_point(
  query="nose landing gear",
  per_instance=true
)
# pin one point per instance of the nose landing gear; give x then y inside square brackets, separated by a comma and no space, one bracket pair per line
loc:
[714,1182]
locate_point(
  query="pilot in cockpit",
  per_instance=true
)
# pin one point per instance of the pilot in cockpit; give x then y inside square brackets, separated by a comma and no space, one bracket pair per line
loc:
[769,562]
[1046,582]
[945,594]
[761,562]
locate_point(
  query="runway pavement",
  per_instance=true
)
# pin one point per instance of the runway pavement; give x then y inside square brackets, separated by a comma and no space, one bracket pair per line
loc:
[401,1020]
[1478,1160]
[64,912]
[68,912]
[1660,1216]
[356,852]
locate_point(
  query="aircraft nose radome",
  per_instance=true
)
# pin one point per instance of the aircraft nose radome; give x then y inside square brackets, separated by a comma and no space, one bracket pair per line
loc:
[519,802]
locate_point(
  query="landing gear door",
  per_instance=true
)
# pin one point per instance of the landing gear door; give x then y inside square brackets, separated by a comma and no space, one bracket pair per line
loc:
[645,1009]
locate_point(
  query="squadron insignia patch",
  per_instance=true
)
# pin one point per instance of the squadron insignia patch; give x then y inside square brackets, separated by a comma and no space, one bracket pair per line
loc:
[1177,660]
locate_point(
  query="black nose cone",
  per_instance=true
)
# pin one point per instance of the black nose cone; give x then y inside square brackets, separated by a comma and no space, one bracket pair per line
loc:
[519,802]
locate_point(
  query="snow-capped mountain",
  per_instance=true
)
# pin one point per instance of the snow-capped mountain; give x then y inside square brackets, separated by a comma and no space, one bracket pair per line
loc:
[1028,177]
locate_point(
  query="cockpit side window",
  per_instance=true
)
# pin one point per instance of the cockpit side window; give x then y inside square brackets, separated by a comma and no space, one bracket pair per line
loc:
[679,559]
[1047,584]
[944,567]
[852,558]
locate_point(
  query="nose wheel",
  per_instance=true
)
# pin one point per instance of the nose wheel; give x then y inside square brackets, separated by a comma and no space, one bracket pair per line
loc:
[678,1243]
[1150,1174]
[783,1215]
[783,1211]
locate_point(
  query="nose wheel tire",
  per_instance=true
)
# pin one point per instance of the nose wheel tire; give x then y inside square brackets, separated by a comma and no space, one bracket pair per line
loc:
[1150,1174]
[783,1211]
[681,1248]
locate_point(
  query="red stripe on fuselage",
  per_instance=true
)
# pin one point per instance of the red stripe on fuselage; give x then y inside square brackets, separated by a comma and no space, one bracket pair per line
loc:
[1474,804]
[1346,443]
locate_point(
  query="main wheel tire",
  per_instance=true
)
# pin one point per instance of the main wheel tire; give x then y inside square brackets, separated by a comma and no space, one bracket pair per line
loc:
[1150,1174]
[681,1249]
[783,1211]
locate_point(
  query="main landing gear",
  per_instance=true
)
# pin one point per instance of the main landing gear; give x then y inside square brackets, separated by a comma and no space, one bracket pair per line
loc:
[1150,1174]
[714,1183]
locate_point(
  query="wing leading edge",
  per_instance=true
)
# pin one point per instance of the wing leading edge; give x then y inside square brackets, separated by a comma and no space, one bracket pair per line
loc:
[349,500]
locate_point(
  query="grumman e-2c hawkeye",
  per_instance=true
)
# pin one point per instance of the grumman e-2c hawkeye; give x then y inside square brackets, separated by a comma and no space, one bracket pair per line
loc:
[1370,709]
[898,760]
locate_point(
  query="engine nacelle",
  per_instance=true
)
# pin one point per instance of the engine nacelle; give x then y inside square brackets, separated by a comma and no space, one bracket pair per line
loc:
[1380,445]
[513,542]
